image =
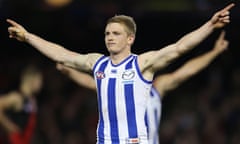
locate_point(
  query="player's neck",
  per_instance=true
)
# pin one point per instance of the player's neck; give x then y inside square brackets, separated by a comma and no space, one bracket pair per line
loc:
[118,58]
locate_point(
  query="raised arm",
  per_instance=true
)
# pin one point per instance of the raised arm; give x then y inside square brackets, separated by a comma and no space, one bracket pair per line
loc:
[167,82]
[6,102]
[51,50]
[156,60]
[81,78]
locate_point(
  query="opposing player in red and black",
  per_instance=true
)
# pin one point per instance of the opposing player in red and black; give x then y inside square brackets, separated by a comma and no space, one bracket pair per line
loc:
[18,108]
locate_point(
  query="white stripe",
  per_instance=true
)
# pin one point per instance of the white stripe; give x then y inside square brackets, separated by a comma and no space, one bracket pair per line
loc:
[121,113]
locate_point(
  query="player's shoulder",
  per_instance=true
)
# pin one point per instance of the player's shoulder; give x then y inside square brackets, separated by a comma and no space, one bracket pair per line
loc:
[144,60]
[146,54]
[145,57]
[10,99]
[98,60]
[89,57]
[14,96]
[89,60]
[95,55]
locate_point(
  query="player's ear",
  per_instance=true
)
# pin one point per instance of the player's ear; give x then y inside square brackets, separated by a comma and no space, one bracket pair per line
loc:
[131,39]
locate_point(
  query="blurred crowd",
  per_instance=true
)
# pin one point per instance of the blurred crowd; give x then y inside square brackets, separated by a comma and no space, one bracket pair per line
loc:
[204,110]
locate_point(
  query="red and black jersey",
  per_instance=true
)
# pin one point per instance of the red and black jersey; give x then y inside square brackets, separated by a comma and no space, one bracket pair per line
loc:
[25,119]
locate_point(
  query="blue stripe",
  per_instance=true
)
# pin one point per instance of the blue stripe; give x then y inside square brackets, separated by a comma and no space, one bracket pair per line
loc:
[100,59]
[112,110]
[155,93]
[151,92]
[130,108]
[157,126]
[100,141]
[146,121]
[129,65]
[101,121]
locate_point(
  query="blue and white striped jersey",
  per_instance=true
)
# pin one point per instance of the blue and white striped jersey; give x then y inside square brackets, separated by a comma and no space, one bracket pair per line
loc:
[122,99]
[153,116]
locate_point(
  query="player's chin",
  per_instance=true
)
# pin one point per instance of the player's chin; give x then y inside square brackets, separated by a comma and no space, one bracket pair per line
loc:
[113,50]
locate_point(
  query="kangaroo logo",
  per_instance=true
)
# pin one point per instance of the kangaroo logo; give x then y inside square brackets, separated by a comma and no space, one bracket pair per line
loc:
[128,75]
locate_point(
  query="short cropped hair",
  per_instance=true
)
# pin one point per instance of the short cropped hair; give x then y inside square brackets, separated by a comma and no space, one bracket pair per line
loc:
[127,21]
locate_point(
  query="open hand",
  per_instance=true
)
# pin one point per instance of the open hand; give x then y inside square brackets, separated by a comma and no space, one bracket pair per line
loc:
[16,30]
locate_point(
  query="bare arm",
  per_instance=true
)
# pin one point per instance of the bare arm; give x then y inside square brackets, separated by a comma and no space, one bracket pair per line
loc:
[51,50]
[6,102]
[167,82]
[156,60]
[81,78]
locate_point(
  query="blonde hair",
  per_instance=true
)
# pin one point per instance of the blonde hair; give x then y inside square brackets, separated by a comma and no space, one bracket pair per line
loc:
[127,21]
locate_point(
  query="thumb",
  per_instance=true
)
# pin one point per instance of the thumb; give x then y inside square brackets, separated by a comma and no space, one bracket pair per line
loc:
[222,35]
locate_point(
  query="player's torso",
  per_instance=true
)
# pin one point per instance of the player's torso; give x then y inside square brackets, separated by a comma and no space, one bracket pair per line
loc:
[22,114]
[122,95]
[153,116]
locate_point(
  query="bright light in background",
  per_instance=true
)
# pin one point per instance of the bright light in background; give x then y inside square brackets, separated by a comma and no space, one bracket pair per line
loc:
[57,3]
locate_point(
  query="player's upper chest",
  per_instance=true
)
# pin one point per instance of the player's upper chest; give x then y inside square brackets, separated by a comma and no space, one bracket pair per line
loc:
[123,71]
[126,70]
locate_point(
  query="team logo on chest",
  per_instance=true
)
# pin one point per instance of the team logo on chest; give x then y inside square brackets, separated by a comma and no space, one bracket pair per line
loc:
[128,74]
[100,75]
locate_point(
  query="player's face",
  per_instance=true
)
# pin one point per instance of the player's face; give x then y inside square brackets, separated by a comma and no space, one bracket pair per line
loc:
[36,83]
[116,38]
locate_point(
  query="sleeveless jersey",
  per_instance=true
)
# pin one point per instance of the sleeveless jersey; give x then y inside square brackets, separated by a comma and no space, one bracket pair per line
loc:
[25,119]
[21,118]
[122,97]
[153,116]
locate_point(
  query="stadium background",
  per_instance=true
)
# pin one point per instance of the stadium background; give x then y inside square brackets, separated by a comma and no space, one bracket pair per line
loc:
[205,109]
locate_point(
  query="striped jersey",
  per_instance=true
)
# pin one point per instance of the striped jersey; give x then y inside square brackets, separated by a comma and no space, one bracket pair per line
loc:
[153,116]
[122,101]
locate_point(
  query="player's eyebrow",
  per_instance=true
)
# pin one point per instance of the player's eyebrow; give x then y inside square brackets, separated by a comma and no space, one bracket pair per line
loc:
[114,32]
[106,33]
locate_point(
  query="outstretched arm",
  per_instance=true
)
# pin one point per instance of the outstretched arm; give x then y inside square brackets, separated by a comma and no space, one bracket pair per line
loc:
[81,78]
[156,60]
[8,101]
[51,50]
[167,82]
